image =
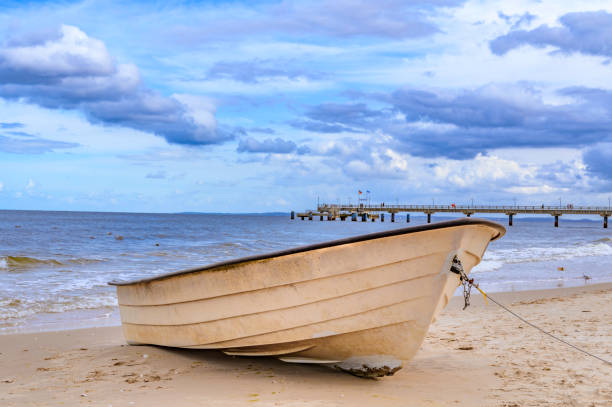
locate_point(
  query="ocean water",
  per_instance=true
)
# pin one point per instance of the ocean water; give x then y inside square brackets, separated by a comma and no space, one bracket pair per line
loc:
[54,266]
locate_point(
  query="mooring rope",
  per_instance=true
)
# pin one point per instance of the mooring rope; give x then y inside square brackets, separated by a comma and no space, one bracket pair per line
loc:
[468,283]
[548,333]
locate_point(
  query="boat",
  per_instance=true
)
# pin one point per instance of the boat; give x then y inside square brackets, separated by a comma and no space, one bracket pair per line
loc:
[361,304]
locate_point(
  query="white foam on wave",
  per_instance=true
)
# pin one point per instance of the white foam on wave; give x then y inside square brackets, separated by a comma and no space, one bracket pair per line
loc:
[84,282]
[488,265]
[495,259]
[3,263]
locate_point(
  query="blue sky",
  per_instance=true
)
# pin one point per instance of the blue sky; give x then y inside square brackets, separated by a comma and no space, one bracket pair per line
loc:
[265,106]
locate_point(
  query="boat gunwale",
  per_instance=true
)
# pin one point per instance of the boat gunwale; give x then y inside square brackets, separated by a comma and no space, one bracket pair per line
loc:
[332,243]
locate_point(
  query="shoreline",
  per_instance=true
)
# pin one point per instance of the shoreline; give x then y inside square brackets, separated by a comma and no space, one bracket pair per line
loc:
[481,356]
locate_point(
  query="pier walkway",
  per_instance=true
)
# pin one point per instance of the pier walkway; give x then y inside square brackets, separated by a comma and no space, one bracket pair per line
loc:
[373,212]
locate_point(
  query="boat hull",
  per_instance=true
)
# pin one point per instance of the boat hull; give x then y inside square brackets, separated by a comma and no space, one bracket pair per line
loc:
[361,305]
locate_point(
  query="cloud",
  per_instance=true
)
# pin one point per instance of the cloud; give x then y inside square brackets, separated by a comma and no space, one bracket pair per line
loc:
[461,124]
[256,71]
[517,20]
[69,70]
[346,18]
[156,175]
[567,174]
[263,130]
[11,125]
[33,145]
[598,160]
[337,117]
[19,133]
[355,114]
[588,32]
[536,189]
[318,126]
[396,19]
[276,146]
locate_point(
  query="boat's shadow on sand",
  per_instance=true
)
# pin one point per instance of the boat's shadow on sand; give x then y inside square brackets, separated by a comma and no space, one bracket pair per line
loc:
[265,367]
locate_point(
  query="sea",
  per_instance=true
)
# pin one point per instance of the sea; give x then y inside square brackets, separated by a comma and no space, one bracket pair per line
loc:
[55,266]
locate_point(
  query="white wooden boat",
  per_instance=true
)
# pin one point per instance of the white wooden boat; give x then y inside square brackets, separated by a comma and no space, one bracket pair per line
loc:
[361,304]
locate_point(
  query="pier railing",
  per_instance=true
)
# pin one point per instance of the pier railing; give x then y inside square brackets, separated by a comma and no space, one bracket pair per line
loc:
[505,209]
[377,211]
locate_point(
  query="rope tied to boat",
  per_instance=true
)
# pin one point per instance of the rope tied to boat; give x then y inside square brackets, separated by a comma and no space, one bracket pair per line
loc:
[468,283]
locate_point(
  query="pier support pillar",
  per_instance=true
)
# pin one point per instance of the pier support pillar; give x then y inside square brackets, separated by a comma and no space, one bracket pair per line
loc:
[342,218]
[429,218]
[468,214]
[605,221]
[373,218]
[321,217]
[292,215]
[407,218]
[310,216]
[382,217]
[354,217]
[509,219]
[363,217]
[556,221]
[392,216]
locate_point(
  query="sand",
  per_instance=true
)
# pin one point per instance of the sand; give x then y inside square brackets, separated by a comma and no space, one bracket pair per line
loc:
[479,357]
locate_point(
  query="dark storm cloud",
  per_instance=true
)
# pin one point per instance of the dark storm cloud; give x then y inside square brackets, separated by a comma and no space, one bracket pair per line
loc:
[31,145]
[256,71]
[72,71]
[276,146]
[461,125]
[587,32]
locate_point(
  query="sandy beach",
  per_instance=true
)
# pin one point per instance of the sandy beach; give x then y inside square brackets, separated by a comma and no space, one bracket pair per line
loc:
[479,357]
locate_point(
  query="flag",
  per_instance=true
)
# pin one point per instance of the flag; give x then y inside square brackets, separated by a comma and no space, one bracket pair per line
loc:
[360,192]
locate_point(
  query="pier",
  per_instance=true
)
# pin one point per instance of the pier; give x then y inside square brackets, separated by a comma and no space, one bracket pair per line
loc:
[363,212]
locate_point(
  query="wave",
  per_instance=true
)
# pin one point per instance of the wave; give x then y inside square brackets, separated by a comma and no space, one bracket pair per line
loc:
[602,240]
[16,308]
[495,259]
[488,265]
[25,262]
[82,261]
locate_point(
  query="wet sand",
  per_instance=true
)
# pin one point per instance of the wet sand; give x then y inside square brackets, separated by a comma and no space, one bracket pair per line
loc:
[479,357]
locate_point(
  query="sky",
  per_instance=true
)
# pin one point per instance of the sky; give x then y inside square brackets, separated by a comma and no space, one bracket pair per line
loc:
[258,106]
